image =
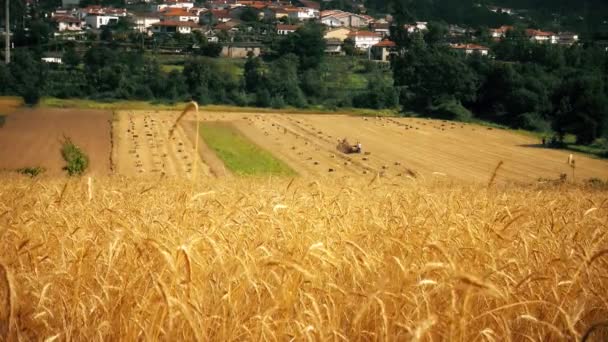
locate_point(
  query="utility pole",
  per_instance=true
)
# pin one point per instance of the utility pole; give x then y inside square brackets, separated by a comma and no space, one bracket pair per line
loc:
[7,35]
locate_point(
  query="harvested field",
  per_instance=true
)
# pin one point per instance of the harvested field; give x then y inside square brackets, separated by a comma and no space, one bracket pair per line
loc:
[32,138]
[332,259]
[143,147]
[399,147]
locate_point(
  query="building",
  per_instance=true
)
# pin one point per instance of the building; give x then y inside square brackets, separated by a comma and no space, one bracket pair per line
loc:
[241,50]
[383,50]
[275,12]
[384,29]
[539,36]
[185,4]
[567,38]
[365,39]
[97,21]
[504,10]
[178,14]
[302,13]
[471,48]
[67,23]
[500,32]
[215,16]
[333,46]
[419,26]
[144,21]
[184,27]
[286,29]
[340,33]
[337,18]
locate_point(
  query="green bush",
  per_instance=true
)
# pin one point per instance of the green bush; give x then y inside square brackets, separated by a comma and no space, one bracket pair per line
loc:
[534,122]
[77,161]
[450,110]
[31,171]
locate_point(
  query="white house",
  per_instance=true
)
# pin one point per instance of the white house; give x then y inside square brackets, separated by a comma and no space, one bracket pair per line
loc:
[331,21]
[365,39]
[539,36]
[567,38]
[96,21]
[184,27]
[303,13]
[336,18]
[419,26]
[143,22]
[286,29]
[52,60]
[67,23]
[175,4]
[471,48]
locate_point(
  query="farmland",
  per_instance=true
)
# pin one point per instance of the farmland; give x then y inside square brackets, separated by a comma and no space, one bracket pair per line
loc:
[33,138]
[405,241]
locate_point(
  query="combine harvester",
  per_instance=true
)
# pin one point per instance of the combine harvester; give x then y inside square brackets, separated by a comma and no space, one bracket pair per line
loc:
[346,148]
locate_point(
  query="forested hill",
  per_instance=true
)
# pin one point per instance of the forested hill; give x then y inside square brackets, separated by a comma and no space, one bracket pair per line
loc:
[588,17]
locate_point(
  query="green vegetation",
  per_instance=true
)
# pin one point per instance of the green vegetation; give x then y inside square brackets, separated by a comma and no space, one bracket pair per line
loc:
[77,161]
[31,171]
[239,154]
[2,120]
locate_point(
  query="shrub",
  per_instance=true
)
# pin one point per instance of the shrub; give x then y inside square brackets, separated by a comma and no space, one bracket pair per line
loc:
[77,161]
[31,171]
[534,122]
[450,110]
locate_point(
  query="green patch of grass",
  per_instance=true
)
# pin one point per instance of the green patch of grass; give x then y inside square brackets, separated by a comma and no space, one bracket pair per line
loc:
[596,151]
[167,68]
[77,161]
[239,154]
[110,105]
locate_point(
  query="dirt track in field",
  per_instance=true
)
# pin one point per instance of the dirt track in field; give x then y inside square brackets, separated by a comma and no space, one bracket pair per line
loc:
[401,147]
[32,138]
[143,148]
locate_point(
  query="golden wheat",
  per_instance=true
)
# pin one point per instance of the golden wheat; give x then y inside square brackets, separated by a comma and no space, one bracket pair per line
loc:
[275,259]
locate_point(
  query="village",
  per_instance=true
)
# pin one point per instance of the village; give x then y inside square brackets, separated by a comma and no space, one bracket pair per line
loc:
[230,23]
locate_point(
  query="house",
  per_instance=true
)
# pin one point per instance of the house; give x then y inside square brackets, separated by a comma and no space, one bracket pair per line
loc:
[241,49]
[286,29]
[302,13]
[230,26]
[97,21]
[383,50]
[419,26]
[309,4]
[184,27]
[144,21]
[365,39]
[567,38]
[99,10]
[67,23]
[471,48]
[340,33]
[336,18]
[215,16]
[500,32]
[384,29]
[333,46]
[456,31]
[178,14]
[504,10]
[274,12]
[184,4]
[52,60]
[539,36]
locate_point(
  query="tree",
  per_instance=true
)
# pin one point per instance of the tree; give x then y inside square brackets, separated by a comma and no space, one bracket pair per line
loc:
[348,46]
[253,74]
[70,57]
[581,108]
[249,15]
[307,43]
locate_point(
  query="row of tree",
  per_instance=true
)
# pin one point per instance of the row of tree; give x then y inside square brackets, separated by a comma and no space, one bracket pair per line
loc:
[533,86]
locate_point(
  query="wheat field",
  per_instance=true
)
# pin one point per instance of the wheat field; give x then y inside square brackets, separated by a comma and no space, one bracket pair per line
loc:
[278,259]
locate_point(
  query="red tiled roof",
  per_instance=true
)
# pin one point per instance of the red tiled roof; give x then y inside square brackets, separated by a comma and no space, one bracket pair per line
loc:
[172,23]
[220,13]
[66,19]
[177,12]
[386,43]
[538,33]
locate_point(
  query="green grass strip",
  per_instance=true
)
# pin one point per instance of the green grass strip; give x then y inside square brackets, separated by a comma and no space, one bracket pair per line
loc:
[239,154]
